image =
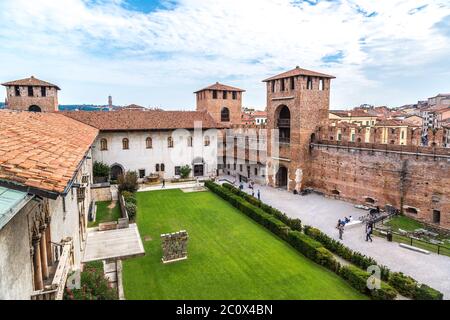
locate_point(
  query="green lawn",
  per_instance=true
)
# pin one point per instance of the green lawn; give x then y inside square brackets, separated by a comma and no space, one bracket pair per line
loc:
[404,223]
[106,212]
[230,256]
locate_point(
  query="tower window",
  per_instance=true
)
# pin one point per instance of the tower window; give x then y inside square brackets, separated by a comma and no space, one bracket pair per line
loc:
[292,83]
[189,141]
[282,84]
[30,91]
[272,83]
[321,84]
[309,83]
[225,115]
[157,167]
[43,91]
[207,141]
[170,142]
[234,94]
[149,143]
[224,95]
[103,144]
[214,94]
[125,144]
[17,91]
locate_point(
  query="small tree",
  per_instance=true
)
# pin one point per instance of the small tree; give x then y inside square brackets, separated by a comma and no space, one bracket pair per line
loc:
[101,169]
[128,182]
[185,171]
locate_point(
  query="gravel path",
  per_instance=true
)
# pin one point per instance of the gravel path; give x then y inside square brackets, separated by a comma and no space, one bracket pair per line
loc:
[323,213]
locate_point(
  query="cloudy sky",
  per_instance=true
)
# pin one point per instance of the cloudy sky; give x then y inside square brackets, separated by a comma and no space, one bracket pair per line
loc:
[156,53]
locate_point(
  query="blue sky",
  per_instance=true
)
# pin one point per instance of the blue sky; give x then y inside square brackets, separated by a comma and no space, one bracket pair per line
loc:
[156,53]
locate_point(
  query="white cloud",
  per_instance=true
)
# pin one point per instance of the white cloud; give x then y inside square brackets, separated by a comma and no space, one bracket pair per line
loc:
[101,46]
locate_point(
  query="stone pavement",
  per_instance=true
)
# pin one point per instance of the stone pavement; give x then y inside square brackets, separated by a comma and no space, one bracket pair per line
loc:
[323,213]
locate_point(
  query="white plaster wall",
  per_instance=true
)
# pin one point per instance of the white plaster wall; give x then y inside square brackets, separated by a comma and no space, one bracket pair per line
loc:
[16,277]
[139,157]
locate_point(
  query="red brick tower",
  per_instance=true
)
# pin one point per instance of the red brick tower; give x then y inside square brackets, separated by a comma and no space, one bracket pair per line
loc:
[297,103]
[223,102]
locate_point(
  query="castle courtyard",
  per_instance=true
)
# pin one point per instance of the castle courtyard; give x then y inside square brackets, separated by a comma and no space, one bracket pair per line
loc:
[323,213]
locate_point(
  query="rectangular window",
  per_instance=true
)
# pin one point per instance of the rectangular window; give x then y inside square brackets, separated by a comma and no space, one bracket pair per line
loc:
[157,167]
[224,95]
[240,168]
[43,92]
[17,91]
[272,83]
[214,94]
[234,166]
[436,216]
[256,171]
[292,83]
[309,83]
[321,84]
[177,171]
[141,173]
[234,94]
[30,91]
[282,85]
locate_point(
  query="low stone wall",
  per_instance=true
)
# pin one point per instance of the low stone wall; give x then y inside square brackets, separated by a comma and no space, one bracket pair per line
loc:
[101,192]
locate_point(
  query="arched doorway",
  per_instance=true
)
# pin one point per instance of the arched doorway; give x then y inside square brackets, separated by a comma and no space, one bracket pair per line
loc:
[116,171]
[34,108]
[282,177]
[283,124]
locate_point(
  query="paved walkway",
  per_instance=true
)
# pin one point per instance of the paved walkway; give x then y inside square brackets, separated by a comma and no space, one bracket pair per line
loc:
[323,213]
[169,186]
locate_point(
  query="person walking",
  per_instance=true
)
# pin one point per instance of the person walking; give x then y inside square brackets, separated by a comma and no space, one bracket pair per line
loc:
[253,193]
[369,230]
[341,231]
[163,183]
[259,195]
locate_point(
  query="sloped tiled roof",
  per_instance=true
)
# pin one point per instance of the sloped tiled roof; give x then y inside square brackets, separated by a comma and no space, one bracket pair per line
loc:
[42,150]
[32,81]
[299,72]
[352,113]
[220,86]
[142,119]
[392,123]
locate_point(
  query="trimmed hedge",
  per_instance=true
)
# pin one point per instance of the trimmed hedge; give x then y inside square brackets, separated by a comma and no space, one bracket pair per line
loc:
[344,252]
[358,279]
[294,224]
[405,285]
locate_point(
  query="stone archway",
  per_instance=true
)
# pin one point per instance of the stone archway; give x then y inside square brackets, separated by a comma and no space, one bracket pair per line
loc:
[282,177]
[116,171]
[35,108]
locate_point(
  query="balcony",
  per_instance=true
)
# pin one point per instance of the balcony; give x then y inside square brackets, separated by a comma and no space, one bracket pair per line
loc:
[54,286]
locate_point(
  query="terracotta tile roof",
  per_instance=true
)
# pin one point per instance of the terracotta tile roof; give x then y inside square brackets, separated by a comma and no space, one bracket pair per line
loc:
[299,72]
[142,119]
[42,150]
[220,86]
[352,113]
[32,81]
[392,123]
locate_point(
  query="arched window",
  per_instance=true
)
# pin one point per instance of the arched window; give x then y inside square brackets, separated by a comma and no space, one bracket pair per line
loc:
[170,142]
[370,200]
[125,144]
[411,210]
[207,141]
[189,141]
[149,143]
[103,144]
[225,115]
[162,167]
[34,108]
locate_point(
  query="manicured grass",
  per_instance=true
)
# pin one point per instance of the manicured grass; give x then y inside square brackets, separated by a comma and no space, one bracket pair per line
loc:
[105,213]
[230,256]
[404,223]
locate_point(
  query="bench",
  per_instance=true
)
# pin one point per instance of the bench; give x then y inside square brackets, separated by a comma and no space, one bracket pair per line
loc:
[407,246]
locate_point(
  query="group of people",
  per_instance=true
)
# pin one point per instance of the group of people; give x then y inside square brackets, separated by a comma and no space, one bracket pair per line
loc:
[251,185]
[341,225]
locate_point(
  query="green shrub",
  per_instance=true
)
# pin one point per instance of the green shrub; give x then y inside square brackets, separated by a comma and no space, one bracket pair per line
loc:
[358,280]
[94,285]
[128,182]
[425,292]
[185,171]
[129,197]
[405,285]
[101,169]
[131,210]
